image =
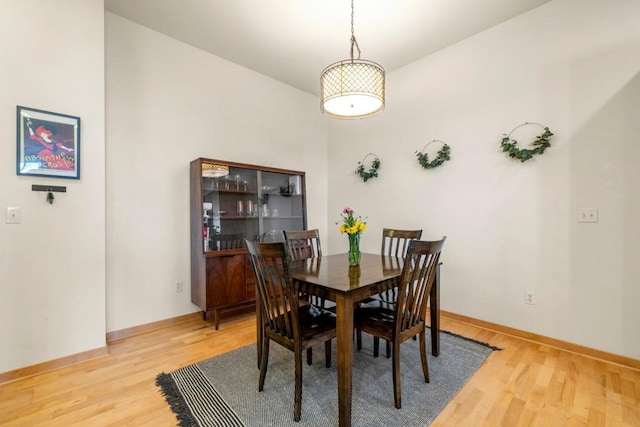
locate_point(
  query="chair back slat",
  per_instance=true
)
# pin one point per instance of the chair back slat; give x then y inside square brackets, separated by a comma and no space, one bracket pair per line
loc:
[396,242]
[227,241]
[275,289]
[303,244]
[418,274]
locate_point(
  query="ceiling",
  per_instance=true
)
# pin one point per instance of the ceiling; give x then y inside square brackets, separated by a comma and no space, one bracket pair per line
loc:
[294,40]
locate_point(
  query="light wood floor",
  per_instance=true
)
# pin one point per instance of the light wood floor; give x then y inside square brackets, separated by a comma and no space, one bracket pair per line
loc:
[525,384]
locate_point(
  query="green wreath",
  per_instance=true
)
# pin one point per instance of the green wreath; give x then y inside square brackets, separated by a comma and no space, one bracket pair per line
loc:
[442,156]
[372,172]
[541,143]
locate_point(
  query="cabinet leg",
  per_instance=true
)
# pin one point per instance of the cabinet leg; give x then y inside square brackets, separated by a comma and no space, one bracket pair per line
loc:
[216,318]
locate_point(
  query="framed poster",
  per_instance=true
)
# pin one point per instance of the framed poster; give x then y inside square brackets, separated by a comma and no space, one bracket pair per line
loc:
[48,144]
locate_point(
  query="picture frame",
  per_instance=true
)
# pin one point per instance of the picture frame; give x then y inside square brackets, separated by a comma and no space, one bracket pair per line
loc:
[48,144]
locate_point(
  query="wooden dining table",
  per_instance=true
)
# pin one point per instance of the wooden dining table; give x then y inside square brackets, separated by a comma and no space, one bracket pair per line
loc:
[330,277]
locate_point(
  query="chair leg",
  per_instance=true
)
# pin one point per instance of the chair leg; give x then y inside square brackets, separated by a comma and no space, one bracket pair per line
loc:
[297,400]
[396,374]
[327,353]
[376,346]
[388,349]
[359,339]
[423,355]
[309,356]
[264,359]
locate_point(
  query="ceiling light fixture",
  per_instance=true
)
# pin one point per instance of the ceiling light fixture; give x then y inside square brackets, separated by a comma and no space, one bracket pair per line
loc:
[212,170]
[352,88]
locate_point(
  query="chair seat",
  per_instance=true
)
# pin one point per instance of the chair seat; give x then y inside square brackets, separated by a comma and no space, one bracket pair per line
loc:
[375,317]
[385,297]
[315,320]
[376,304]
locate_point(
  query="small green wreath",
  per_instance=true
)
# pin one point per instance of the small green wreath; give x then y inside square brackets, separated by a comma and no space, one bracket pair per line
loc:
[541,143]
[442,156]
[372,172]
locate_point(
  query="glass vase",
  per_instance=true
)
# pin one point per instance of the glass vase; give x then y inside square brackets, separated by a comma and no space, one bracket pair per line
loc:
[354,249]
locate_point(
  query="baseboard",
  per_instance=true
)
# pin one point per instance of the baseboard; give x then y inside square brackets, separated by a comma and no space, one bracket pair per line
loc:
[147,327]
[541,339]
[51,365]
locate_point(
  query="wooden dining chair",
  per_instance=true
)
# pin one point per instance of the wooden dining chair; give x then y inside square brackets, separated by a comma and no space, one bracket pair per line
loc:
[295,325]
[403,320]
[222,242]
[395,243]
[301,245]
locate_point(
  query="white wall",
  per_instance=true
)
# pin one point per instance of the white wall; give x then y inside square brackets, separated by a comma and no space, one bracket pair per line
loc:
[52,266]
[167,104]
[573,66]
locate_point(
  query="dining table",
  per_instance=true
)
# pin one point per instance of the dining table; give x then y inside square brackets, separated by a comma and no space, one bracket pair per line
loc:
[330,277]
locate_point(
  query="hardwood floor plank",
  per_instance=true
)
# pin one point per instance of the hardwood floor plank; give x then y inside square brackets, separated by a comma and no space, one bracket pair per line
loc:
[525,384]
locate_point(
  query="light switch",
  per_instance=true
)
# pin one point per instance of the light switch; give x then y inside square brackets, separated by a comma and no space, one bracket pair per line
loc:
[14,215]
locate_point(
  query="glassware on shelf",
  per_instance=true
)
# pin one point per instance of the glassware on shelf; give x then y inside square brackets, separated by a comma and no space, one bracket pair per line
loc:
[237,182]
[240,208]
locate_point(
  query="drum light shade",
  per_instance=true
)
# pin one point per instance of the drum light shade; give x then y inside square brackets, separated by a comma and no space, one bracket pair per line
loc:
[352,89]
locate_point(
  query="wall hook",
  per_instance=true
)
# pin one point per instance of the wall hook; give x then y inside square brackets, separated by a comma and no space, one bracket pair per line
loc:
[50,189]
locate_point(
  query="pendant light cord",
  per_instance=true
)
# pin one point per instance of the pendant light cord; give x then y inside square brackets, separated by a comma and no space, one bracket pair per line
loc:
[354,42]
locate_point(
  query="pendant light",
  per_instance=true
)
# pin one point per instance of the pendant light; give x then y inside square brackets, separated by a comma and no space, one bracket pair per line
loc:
[352,88]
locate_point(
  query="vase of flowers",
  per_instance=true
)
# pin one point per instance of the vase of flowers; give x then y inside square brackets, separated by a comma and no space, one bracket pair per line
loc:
[353,226]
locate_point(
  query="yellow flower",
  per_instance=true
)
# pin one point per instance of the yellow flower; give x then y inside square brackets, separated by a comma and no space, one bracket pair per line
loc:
[351,224]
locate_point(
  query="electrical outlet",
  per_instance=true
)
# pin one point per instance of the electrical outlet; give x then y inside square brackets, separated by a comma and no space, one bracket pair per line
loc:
[588,215]
[179,287]
[530,297]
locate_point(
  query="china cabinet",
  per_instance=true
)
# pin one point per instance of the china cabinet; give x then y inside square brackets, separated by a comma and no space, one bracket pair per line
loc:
[229,202]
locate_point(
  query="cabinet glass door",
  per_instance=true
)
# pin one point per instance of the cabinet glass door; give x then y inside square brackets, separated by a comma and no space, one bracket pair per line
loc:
[230,207]
[249,203]
[281,204]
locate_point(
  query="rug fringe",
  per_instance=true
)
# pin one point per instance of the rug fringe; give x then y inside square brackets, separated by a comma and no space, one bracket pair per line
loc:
[175,400]
[494,348]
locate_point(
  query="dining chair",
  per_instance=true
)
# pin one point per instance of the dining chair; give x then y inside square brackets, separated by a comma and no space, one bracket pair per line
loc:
[301,245]
[403,320]
[286,320]
[222,242]
[395,243]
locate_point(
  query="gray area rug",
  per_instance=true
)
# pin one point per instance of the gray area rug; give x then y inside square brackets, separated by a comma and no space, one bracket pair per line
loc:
[223,391]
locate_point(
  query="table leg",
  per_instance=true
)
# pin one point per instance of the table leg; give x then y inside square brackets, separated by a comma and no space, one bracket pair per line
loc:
[434,311]
[344,332]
